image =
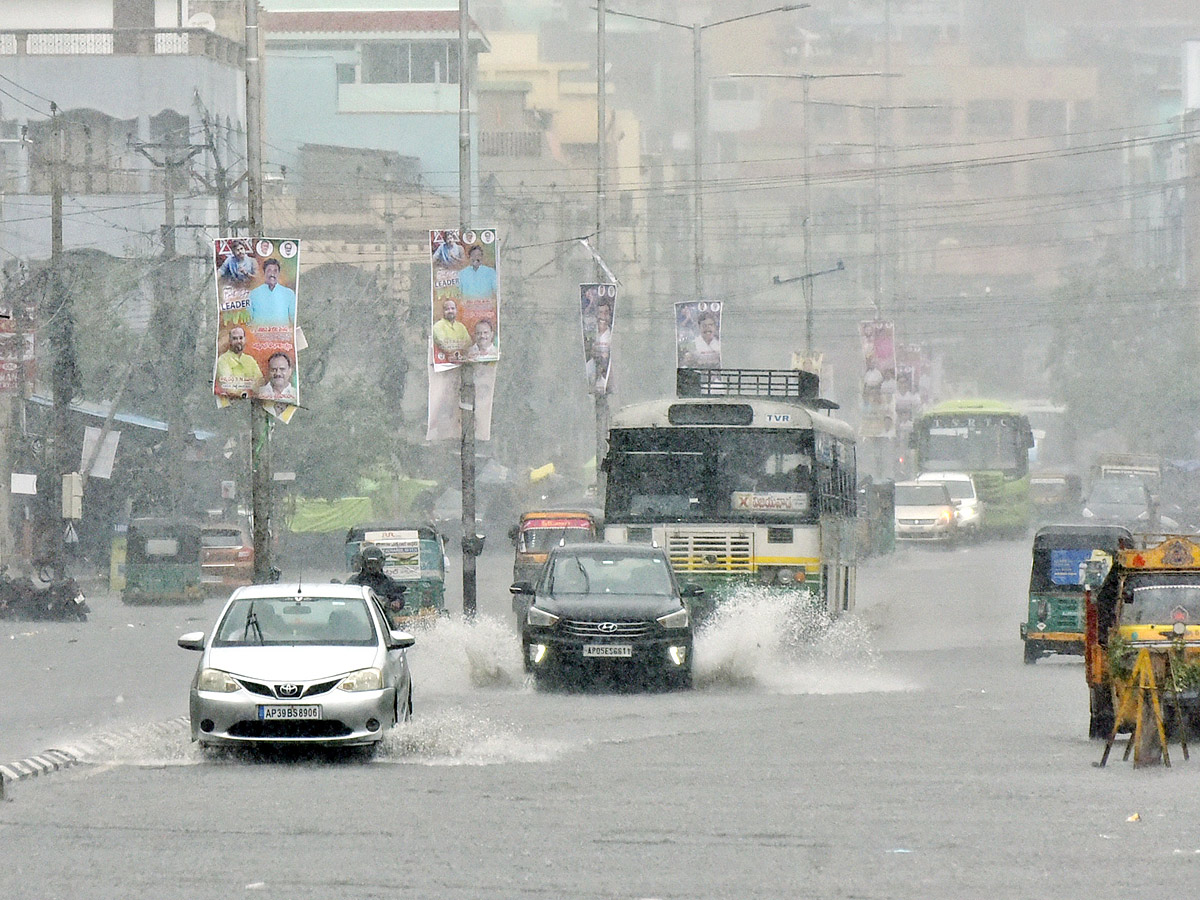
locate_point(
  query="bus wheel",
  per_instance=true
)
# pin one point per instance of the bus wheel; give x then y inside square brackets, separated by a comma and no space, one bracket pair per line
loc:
[1032,653]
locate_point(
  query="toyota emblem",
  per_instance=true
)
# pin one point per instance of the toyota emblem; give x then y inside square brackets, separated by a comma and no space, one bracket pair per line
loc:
[607,627]
[288,690]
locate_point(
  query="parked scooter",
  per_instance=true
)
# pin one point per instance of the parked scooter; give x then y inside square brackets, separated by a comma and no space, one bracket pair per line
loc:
[60,601]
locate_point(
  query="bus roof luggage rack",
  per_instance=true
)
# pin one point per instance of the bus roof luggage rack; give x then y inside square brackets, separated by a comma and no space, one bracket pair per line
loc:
[794,385]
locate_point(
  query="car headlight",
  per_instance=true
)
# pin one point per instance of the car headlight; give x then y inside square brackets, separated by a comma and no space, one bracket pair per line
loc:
[216,681]
[946,517]
[540,617]
[363,680]
[677,619]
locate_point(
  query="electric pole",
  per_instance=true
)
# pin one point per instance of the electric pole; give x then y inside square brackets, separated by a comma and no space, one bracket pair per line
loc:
[471,545]
[260,420]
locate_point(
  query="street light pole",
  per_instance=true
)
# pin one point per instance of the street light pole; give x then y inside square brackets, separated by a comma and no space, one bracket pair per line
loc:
[699,124]
[466,397]
[806,79]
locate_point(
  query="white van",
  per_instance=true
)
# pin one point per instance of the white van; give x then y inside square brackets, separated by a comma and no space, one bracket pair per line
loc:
[968,506]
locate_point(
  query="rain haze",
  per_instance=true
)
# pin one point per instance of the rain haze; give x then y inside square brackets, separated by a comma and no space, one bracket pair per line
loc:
[473,284]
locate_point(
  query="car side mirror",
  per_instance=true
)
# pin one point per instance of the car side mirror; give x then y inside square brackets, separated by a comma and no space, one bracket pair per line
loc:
[400,640]
[193,640]
[691,590]
[520,587]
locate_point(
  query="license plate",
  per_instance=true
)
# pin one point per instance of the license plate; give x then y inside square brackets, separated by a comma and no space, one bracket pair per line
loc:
[289,712]
[608,650]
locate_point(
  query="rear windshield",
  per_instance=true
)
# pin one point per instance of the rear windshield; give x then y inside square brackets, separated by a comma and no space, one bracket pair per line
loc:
[229,537]
[540,540]
[313,621]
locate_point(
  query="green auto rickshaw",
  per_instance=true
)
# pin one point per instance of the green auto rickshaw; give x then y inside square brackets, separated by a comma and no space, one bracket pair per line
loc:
[414,555]
[1065,557]
[162,562]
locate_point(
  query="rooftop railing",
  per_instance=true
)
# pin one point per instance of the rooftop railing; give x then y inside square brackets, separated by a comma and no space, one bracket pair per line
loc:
[121,42]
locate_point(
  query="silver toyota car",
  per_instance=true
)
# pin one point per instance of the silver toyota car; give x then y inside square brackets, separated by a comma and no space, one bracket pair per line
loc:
[299,664]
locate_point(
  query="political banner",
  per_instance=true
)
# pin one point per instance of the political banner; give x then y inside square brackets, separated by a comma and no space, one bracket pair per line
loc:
[879,379]
[257,284]
[597,313]
[698,334]
[465,297]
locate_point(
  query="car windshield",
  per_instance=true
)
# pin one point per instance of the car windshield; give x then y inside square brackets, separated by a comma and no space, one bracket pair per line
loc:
[921,494]
[608,574]
[1130,492]
[1163,604]
[310,621]
[959,489]
[541,540]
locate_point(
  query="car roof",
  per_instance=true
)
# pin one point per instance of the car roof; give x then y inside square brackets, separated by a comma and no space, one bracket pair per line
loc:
[601,548]
[943,476]
[925,483]
[300,591]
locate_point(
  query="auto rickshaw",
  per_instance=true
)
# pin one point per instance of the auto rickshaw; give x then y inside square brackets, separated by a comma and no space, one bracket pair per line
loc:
[162,562]
[414,555]
[534,536]
[1062,555]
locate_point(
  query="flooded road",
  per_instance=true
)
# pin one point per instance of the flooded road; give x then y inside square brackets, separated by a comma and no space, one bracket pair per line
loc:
[906,752]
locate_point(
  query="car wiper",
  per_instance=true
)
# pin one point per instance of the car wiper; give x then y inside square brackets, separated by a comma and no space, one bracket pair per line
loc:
[252,623]
[587,582]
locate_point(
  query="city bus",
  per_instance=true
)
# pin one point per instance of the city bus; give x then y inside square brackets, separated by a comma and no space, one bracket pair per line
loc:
[744,479]
[988,440]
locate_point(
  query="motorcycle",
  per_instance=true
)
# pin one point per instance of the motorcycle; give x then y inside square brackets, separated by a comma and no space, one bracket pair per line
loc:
[60,601]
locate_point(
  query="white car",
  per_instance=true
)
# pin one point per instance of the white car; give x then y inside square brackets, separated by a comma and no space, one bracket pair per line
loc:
[924,512]
[968,506]
[313,663]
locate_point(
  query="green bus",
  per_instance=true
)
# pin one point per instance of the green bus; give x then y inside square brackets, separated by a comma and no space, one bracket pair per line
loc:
[990,441]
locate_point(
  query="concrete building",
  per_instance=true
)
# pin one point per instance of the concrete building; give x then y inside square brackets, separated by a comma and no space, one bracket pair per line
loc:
[85,83]
[368,74]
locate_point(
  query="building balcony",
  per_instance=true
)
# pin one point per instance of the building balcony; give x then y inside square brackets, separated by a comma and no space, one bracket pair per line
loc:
[510,143]
[122,42]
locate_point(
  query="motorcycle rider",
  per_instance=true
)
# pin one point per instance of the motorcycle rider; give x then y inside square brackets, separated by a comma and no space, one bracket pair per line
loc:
[371,573]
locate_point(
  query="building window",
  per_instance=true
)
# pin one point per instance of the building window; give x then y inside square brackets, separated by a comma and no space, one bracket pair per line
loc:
[934,117]
[1047,117]
[346,73]
[409,62]
[989,117]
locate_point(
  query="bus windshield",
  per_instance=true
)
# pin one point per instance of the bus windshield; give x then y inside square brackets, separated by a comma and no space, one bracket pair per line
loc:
[707,475]
[972,444]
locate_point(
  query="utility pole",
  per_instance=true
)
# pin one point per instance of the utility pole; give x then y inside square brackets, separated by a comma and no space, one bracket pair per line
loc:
[807,78]
[699,125]
[65,375]
[260,421]
[601,397]
[471,545]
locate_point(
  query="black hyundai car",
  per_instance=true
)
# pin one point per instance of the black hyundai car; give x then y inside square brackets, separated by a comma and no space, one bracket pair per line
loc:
[608,610]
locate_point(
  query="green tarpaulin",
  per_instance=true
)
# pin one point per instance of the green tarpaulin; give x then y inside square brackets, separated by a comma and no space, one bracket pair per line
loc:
[326,516]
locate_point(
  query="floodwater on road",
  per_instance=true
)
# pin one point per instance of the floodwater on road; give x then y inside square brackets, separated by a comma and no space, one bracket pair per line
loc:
[906,751]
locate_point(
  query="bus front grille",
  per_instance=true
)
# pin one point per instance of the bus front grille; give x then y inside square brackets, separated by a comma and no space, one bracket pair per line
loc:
[716,553]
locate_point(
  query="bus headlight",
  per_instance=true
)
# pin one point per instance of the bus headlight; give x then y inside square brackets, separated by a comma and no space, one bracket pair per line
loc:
[786,575]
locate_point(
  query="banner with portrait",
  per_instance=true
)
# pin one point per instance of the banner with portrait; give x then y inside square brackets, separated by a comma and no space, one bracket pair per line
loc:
[465,292]
[257,280]
[879,379]
[912,368]
[698,334]
[597,315]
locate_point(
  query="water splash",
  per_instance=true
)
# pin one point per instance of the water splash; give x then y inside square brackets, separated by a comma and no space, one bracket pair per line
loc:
[778,641]
[457,737]
[454,656]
